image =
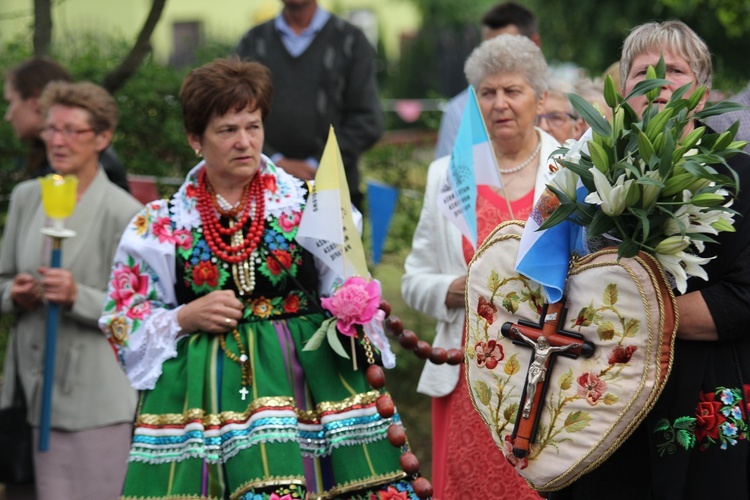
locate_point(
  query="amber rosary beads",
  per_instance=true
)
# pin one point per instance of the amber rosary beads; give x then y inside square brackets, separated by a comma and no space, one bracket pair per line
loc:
[384,404]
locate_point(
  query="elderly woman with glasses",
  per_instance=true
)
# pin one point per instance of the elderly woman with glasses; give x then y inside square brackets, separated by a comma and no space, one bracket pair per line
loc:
[509,76]
[559,118]
[92,403]
[694,443]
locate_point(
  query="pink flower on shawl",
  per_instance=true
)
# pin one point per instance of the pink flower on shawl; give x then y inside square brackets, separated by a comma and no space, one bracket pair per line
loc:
[183,238]
[355,302]
[126,283]
[489,353]
[162,229]
[289,221]
[591,387]
[140,310]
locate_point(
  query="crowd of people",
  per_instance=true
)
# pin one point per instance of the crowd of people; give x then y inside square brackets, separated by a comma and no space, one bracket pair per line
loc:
[181,363]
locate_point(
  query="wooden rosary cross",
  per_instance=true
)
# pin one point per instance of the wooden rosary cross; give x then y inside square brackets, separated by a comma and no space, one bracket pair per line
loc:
[547,339]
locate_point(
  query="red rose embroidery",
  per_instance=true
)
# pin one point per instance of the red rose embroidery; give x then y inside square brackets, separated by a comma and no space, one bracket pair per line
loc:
[206,273]
[269,183]
[487,310]
[621,354]
[591,387]
[139,311]
[708,417]
[282,257]
[291,304]
[489,353]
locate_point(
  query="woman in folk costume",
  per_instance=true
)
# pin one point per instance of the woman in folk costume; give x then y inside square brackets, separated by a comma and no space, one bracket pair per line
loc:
[694,442]
[509,75]
[210,303]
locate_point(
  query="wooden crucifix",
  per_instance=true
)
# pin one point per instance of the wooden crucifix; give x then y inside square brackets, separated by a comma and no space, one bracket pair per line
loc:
[547,339]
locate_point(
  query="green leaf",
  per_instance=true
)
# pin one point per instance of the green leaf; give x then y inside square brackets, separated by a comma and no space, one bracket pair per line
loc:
[718,109]
[665,165]
[610,295]
[686,439]
[601,223]
[685,423]
[627,248]
[677,95]
[566,380]
[335,342]
[512,366]
[641,88]
[316,340]
[482,391]
[610,399]
[662,425]
[510,412]
[631,327]
[696,96]
[606,331]
[576,421]
[589,113]
[657,123]
[645,148]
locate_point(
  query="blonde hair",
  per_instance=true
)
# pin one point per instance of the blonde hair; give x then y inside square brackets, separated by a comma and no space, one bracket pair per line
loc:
[674,36]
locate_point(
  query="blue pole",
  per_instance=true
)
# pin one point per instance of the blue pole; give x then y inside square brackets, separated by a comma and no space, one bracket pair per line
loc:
[53,310]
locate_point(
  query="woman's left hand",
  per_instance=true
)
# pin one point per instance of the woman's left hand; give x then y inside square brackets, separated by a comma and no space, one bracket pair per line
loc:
[58,285]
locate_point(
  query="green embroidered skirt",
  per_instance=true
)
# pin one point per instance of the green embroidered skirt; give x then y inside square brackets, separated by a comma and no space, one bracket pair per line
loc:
[308,425]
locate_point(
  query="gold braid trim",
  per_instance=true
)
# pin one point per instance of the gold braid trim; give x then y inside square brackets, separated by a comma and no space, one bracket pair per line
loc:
[212,419]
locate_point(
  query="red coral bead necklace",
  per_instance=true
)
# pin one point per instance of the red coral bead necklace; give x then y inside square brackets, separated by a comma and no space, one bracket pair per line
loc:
[252,201]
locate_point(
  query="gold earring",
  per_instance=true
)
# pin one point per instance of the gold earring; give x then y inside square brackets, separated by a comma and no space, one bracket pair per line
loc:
[199,153]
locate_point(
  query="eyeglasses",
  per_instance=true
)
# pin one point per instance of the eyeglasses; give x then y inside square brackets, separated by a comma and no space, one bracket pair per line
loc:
[556,118]
[69,134]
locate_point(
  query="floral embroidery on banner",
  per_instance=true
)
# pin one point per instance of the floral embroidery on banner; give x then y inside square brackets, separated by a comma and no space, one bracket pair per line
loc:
[718,420]
[593,384]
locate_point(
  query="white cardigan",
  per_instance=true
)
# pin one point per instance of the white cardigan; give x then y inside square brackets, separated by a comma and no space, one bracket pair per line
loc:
[436,259]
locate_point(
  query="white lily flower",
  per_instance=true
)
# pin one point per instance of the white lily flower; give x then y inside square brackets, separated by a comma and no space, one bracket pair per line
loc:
[566,181]
[611,198]
[682,265]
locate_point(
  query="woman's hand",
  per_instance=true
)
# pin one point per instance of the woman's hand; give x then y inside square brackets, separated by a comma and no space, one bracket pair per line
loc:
[59,286]
[454,299]
[26,292]
[218,312]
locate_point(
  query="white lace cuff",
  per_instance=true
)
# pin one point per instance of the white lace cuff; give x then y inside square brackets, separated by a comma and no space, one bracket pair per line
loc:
[155,343]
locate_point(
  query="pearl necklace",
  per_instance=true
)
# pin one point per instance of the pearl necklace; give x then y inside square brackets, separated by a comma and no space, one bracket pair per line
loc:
[523,165]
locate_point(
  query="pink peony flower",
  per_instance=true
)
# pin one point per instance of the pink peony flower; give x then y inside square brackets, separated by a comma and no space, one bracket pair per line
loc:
[183,238]
[355,302]
[162,228]
[139,311]
[126,283]
[289,221]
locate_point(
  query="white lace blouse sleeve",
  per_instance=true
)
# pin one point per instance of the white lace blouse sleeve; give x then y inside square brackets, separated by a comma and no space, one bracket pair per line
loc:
[140,314]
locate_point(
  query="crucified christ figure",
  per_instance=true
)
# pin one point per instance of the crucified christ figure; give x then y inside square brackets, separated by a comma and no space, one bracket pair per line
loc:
[542,351]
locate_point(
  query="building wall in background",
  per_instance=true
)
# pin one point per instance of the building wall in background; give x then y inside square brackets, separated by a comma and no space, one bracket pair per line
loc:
[221,20]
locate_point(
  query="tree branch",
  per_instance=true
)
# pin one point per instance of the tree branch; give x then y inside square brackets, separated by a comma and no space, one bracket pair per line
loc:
[42,27]
[117,77]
